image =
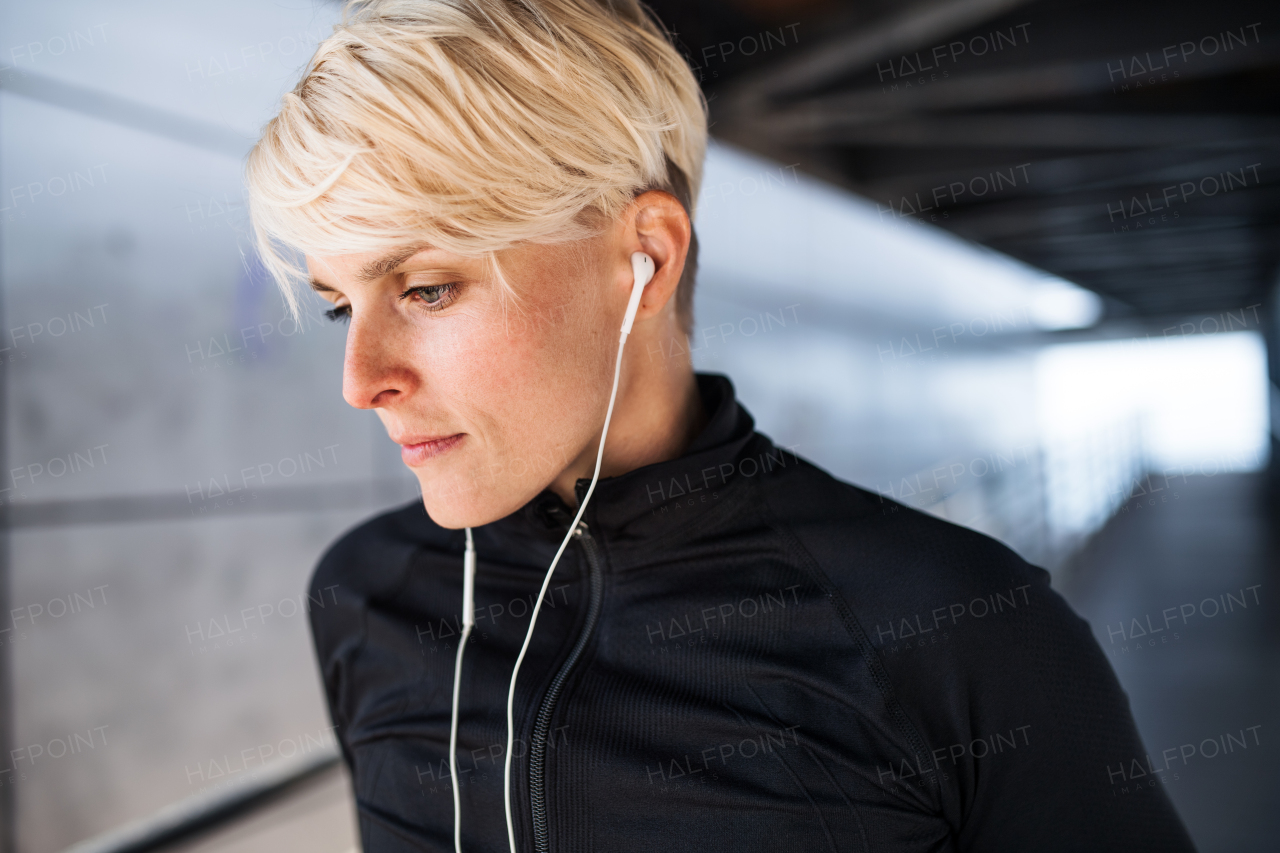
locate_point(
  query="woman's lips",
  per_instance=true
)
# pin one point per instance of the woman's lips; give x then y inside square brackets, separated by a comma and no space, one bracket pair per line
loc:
[418,453]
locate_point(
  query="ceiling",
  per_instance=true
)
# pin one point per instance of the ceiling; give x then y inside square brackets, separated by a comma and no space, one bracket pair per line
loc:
[1132,148]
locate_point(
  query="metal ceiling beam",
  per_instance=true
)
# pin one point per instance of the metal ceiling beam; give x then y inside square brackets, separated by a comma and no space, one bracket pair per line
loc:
[1055,131]
[1070,180]
[1012,87]
[923,23]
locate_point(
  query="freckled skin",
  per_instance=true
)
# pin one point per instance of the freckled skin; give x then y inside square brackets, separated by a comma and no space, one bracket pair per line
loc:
[524,381]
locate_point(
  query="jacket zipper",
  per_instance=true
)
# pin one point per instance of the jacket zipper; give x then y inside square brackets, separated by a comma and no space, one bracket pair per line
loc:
[542,723]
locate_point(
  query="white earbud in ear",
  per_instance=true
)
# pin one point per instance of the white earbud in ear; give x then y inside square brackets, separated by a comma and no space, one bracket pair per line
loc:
[642,269]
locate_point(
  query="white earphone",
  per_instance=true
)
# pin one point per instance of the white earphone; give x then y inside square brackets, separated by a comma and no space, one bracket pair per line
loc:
[642,273]
[642,270]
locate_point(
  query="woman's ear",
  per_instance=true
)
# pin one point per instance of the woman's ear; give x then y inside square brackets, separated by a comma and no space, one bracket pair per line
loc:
[661,229]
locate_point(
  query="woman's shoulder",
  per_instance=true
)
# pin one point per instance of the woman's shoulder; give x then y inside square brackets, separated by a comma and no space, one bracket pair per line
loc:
[890,558]
[377,552]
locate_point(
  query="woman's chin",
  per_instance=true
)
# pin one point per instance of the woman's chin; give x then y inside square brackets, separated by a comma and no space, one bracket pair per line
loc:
[454,509]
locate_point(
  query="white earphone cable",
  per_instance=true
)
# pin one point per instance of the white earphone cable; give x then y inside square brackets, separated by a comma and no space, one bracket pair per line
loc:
[643,269]
[511,692]
[468,621]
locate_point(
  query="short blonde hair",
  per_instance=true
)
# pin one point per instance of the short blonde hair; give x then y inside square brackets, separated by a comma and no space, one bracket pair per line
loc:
[473,125]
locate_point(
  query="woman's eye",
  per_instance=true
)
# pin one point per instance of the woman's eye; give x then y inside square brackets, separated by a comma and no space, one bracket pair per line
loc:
[341,314]
[433,296]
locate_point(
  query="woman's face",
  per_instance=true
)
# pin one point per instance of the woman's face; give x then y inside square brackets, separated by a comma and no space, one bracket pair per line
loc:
[489,398]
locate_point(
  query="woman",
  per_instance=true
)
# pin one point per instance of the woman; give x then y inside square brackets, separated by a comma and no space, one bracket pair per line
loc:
[734,649]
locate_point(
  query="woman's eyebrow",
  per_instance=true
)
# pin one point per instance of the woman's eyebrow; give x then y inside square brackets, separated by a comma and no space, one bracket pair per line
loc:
[377,269]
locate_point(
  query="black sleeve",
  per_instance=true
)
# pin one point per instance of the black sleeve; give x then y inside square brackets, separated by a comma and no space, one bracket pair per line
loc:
[337,630]
[366,564]
[1025,721]
[1003,720]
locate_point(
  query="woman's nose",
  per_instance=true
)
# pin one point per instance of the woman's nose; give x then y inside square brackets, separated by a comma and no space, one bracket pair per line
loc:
[375,369]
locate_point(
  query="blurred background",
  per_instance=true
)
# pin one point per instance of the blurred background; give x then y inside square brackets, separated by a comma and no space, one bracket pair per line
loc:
[1012,263]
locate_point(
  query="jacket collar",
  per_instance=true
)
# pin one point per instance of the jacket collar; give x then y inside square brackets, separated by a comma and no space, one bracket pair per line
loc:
[648,501]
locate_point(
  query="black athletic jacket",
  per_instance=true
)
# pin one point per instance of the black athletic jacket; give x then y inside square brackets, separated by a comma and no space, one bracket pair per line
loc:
[738,653]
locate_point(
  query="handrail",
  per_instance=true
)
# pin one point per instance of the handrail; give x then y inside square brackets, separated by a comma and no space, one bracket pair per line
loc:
[201,812]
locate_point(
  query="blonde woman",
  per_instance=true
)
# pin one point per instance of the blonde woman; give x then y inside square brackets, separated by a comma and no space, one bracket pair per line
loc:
[679,638]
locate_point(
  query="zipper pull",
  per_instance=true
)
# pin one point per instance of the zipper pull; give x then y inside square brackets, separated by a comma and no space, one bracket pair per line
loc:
[580,530]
